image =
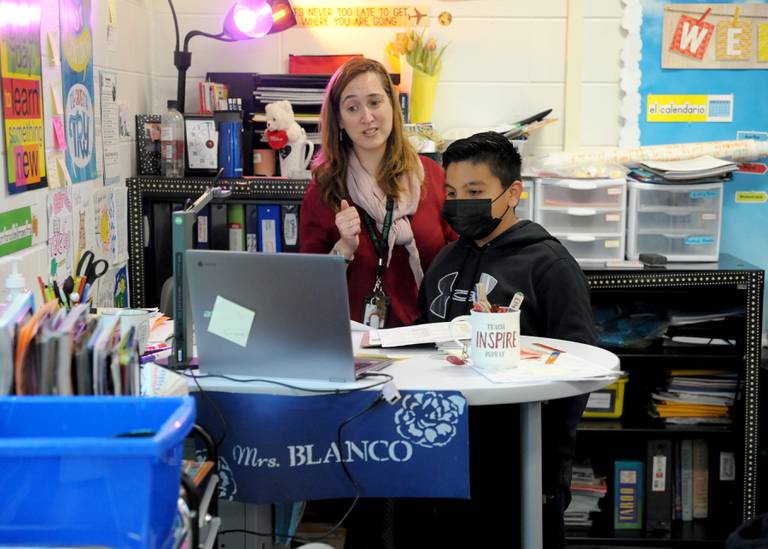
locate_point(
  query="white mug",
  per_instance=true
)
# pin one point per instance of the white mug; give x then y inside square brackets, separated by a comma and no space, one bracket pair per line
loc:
[295,159]
[494,341]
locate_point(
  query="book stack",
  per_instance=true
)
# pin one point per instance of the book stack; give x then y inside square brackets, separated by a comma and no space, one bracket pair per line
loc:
[586,492]
[694,397]
[303,91]
[704,169]
[213,97]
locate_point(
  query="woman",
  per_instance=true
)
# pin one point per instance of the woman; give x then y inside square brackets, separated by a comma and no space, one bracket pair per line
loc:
[366,168]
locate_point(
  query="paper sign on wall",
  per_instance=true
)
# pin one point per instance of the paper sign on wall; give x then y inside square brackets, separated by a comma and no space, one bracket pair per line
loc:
[689,108]
[323,15]
[15,230]
[60,231]
[715,36]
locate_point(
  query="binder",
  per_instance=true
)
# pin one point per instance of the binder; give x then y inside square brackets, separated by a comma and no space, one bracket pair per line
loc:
[628,495]
[201,236]
[659,486]
[724,488]
[290,224]
[269,239]
[686,478]
[218,230]
[236,224]
[163,244]
[700,501]
[251,228]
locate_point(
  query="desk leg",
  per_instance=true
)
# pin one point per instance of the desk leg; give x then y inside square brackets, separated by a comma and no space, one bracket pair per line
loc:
[530,460]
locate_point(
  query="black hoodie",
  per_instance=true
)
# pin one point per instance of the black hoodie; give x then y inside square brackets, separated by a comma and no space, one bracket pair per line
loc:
[525,258]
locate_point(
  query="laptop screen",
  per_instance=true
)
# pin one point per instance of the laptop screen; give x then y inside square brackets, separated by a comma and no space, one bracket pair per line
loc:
[271,315]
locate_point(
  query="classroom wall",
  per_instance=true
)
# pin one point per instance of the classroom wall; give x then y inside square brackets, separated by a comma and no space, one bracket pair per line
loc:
[130,61]
[506,59]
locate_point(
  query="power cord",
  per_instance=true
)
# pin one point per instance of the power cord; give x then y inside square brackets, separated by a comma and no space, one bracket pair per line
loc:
[297,387]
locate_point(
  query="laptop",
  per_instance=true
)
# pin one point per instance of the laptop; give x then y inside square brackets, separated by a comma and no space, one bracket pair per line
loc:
[280,315]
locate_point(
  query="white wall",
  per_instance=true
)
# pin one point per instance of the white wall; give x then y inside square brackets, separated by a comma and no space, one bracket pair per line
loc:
[506,59]
[131,63]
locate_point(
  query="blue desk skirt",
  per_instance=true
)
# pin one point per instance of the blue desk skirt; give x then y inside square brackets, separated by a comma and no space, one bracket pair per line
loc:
[288,448]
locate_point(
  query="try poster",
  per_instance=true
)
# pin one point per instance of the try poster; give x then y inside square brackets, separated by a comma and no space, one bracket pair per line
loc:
[77,78]
[22,95]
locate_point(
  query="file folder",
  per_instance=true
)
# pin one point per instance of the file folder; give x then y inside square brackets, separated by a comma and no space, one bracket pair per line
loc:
[219,231]
[269,228]
[659,485]
[202,237]
[236,224]
[290,226]
[251,228]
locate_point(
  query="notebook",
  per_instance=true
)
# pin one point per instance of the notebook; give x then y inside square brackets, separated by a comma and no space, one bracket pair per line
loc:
[271,315]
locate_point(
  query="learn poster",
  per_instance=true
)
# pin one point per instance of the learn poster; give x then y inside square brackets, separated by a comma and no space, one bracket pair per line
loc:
[77,79]
[22,95]
[707,42]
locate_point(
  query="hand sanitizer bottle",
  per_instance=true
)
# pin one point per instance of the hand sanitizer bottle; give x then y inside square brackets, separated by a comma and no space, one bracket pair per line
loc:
[14,282]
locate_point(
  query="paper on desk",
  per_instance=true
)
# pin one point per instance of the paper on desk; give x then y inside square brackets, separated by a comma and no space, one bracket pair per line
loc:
[419,334]
[159,381]
[567,368]
[356,326]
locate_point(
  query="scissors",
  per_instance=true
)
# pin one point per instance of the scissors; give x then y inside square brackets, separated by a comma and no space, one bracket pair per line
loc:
[90,267]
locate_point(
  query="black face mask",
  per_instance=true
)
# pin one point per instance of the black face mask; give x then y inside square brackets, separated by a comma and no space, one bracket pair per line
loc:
[472,218]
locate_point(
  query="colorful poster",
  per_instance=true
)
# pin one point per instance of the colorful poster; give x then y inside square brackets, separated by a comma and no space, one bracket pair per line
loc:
[15,230]
[77,77]
[22,95]
[60,244]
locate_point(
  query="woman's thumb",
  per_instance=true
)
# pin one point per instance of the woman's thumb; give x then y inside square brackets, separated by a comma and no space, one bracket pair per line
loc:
[344,205]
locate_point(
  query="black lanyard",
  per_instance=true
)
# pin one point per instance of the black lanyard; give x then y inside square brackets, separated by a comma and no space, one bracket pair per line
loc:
[381,245]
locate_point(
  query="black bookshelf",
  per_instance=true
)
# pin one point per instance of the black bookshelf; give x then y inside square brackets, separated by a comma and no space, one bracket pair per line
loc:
[147,272]
[730,282]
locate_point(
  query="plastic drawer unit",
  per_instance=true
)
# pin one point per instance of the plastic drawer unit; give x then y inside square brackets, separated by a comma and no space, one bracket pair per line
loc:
[681,222]
[524,209]
[587,215]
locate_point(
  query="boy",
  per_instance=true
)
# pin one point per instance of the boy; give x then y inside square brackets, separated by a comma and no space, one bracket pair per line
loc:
[482,189]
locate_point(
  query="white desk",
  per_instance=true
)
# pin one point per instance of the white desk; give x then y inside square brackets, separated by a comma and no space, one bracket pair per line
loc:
[428,370]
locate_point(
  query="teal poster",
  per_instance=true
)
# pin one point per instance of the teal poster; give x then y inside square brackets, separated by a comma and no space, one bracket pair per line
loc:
[77,77]
[720,54]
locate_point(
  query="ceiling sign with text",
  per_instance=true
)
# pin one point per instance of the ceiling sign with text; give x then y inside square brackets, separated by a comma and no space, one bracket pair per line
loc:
[715,36]
[689,108]
[324,15]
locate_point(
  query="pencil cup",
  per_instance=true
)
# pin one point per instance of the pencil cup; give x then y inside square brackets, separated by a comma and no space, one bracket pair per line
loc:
[494,341]
[133,317]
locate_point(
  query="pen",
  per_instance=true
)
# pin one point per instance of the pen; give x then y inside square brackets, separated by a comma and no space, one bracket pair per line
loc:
[548,347]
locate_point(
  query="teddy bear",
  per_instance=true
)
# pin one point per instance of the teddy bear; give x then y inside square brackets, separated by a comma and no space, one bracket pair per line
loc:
[282,129]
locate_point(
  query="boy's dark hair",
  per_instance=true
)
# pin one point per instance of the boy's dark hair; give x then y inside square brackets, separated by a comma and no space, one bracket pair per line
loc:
[489,148]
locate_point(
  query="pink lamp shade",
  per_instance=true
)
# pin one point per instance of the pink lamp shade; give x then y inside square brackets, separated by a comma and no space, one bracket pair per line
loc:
[248,19]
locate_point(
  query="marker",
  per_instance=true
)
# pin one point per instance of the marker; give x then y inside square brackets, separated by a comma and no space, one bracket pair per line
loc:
[552,358]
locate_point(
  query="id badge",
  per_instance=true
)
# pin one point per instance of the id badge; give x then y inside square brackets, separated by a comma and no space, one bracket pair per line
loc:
[375,310]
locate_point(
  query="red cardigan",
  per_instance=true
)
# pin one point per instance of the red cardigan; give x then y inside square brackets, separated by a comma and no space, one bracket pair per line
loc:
[318,234]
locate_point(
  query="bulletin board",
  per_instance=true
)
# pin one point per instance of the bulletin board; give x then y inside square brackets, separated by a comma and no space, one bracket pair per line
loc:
[705,86]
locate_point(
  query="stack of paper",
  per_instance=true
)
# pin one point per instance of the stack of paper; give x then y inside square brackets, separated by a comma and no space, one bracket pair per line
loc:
[586,492]
[695,168]
[696,396]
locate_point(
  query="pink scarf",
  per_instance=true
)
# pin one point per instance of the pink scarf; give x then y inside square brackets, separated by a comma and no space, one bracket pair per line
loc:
[367,194]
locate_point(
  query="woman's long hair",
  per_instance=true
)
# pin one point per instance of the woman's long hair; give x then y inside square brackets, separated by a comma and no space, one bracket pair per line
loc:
[330,166]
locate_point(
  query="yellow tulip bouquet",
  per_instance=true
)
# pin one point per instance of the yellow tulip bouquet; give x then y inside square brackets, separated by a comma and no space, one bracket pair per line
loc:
[421,54]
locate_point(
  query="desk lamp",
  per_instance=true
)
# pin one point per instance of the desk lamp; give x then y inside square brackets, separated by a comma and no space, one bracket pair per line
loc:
[245,20]
[183,222]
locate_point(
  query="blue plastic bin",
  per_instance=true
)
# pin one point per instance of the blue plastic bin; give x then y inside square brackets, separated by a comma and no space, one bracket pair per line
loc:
[91,470]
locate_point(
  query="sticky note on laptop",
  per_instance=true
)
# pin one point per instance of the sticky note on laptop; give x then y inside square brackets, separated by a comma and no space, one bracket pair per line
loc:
[231,321]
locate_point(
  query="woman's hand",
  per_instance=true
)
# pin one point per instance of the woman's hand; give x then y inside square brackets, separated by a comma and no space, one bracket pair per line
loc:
[348,224]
